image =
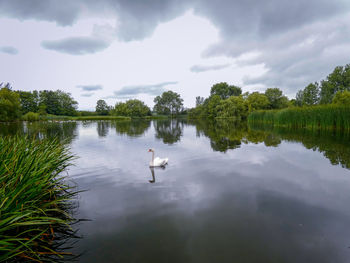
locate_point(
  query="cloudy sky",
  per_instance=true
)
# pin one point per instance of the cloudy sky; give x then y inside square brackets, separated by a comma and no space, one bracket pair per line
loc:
[121,49]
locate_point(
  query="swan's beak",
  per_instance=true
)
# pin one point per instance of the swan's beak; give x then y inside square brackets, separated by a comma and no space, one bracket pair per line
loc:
[149,150]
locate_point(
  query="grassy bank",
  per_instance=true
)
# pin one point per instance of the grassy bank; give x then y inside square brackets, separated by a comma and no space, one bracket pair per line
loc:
[313,117]
[35,201]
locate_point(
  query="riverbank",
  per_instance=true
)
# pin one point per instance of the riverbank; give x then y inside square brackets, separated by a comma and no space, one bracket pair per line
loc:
[35,200]
[331,117]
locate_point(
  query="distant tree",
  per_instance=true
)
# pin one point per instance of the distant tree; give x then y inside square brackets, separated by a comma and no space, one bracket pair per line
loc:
[311,94]
[58,102]
[132,108]
[29,101]
[338,80]
[342,98]
[102,107]
[224,90]
[257,101]
[9,103]
[233,107]
[169,103]
[299,98]
[199,101]
[276,98]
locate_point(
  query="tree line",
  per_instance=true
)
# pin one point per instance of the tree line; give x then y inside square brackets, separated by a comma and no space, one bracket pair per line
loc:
[224,101]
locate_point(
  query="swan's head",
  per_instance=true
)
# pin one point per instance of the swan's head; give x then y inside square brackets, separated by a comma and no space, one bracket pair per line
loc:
[150,150]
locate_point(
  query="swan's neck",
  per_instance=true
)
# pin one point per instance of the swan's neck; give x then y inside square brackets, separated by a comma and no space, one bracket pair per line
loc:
[152,157]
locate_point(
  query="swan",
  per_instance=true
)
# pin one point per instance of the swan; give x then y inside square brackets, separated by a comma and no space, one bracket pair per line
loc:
[157,161]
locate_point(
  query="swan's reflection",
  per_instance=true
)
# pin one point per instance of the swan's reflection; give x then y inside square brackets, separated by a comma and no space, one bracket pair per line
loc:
[153,175]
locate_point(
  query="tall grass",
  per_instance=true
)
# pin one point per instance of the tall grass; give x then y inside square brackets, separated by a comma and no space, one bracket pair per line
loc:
[313,117]
[35,200]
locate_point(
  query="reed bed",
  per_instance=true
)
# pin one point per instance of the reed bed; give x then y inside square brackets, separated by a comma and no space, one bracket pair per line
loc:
[35,200]
[330,117]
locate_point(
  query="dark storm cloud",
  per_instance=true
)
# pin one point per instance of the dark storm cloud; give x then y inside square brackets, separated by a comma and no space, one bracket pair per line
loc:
[76,45]
[9,50]
[203,68]
[90,87]
[132,91]
[297,41]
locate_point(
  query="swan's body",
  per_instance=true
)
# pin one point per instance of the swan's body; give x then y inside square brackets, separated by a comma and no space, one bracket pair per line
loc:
[156,162]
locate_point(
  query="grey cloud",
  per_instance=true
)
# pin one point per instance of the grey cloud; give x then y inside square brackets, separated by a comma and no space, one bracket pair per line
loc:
[90,87]
[77,45]
[128,92]
[9,50]
[87,94]
[203,68]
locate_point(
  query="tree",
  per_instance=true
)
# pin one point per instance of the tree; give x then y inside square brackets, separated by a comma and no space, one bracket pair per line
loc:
[342,98]
[233,107]
[338,80]
[168,103]
[311,94]
[276,98]
[257,101]
[299,97]
[132,108]
[9,103]
[102,107]
[57,102]
[224,90]
[29,101]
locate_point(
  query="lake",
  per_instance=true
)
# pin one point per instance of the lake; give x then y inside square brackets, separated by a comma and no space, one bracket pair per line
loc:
[229,194]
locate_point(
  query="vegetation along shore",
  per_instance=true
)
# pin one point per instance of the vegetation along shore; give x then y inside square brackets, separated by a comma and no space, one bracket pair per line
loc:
[35,200]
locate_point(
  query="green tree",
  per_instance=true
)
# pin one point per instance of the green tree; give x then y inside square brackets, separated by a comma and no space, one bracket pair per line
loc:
[102,107]
[338,80]
[58,102]
[257,101]
[276,98]
[311,94]
[132,108]
[233,107]
[299,97]
[224,90]
[9,103]
[342,98]
[29,101]
[169,103]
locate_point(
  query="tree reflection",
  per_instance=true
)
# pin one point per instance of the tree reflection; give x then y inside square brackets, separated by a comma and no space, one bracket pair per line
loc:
[134,128]
[169,131]
[103,128]
[65,131]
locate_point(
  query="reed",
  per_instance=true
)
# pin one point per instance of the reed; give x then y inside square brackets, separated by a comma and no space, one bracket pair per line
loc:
[35,200]
[331,117]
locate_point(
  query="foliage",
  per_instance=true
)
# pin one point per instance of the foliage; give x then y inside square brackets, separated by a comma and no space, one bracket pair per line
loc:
[276,98]
[29,101]
[342,98]
[9,103]
[132,108]
[316,117]
[102,108]
[58,102]
[257,101]
[338,80]
[233,107]
[34,199]
[169,103]
[311,94]
[199,100]
[30,116]
[224,90]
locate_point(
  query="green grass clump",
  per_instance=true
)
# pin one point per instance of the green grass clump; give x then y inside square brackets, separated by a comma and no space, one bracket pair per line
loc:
[30,116]
[35,200]
[312,117]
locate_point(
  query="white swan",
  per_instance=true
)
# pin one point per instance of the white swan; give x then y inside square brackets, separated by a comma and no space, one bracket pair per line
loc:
[157,161]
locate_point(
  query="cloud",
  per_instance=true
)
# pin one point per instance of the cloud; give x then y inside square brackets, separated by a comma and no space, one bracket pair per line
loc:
[9,50]
[297,41]
[77,45]
[128,92]
[87,94]
[90,87]
[203,68]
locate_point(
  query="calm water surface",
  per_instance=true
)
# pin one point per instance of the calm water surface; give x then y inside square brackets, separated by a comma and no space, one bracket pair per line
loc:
[229,193]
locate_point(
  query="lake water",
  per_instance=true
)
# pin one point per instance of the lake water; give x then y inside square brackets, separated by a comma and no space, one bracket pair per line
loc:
[229,194]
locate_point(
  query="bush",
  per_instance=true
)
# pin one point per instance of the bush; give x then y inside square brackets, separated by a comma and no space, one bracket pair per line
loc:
[30,116]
